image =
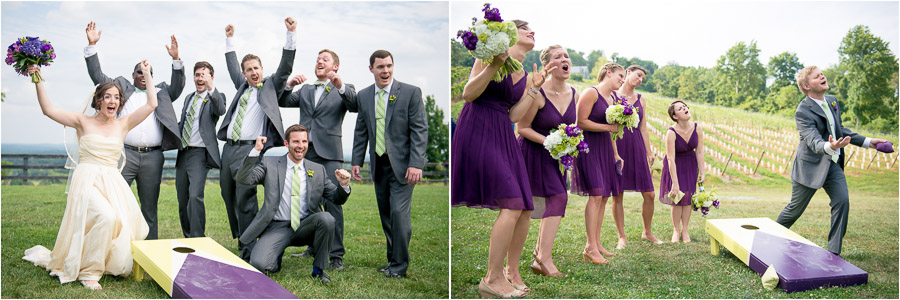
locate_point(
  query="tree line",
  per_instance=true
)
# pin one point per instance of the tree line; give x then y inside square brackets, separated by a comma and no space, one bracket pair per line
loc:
[865,81]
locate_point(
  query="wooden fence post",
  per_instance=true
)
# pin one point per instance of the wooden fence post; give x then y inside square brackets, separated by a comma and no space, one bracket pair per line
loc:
[758,161]
[25,170]
[874,156]
[895,161]
[726,164]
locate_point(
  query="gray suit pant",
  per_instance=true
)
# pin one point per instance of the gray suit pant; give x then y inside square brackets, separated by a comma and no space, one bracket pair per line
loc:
[836,188]
[336,211]
[394,198]
[240,199]
[191,170]
[315,230]
[147,168]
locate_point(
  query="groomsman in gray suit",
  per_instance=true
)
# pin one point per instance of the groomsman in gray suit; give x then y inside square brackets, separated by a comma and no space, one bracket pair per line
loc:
[199,149]
[296,189]
[820,155]
[393,125]
[253,113]
[145,143]
[323,106]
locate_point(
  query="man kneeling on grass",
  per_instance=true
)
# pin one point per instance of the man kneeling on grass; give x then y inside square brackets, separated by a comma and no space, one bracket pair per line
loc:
[292,214]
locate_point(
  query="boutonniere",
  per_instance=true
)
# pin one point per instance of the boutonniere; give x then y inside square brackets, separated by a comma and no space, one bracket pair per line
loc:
[392,98]
[259,85]
[327,89]
[205,99]
[834,106]
[310,173]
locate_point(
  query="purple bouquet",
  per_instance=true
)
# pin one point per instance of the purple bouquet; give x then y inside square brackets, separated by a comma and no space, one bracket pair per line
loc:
[564,144]
[490,37]
[27,51]
[622,113]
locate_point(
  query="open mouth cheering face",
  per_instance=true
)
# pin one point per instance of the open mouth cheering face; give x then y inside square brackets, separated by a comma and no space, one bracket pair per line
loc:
[383,69]
[253,72]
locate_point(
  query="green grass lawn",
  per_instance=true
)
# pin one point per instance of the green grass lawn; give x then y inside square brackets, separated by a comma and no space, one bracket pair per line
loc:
[645,270]
[31,216]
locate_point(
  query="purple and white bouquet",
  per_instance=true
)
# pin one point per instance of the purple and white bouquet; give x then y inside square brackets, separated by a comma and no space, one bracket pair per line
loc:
[564,144]
[703,199]
[624,114]
[490,37]
[27,51]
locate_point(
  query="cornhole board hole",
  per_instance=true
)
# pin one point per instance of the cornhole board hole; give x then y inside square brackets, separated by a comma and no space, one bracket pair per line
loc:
[201,268]
[801,265]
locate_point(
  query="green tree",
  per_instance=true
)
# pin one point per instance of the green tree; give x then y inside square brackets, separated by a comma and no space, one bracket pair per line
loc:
[577,57]
[666,80]
[782,101]
[601,60]
[531,58]
[872,67]
[459,55]
[783,68]
[438,132]
[741,77]
[592,58]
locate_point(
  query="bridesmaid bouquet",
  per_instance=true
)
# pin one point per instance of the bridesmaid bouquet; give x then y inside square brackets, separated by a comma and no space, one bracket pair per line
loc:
[703,199]
[28,51]
[624,114]
[490,37]
[564,144]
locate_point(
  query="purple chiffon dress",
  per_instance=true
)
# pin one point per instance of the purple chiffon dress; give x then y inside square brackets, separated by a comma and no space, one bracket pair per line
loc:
[543,171]
[688,170]
[487,170]
[636,172]
[595,171]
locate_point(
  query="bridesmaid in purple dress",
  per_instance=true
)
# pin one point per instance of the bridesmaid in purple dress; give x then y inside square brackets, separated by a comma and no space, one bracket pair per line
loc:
[595,172]
[555,106]
[634,146]
[684,142]
[487,166]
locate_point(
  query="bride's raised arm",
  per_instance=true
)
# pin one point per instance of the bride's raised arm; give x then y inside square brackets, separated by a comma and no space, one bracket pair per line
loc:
[66,118]
[141,113]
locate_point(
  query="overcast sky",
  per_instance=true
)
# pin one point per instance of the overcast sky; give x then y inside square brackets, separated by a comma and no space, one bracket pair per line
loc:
[414,32]
[694,33]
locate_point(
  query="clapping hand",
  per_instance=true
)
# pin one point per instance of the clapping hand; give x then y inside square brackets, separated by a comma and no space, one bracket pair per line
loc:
[173,49]
[297,80]
[260,141]
[290,24]
[342,176]
[93,35]
[335,79]
[840,143]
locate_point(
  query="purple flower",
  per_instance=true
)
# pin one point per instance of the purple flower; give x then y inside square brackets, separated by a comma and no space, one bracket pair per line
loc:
[628,111]
[46,47]
[469,39]
[52,55]
[567,160]
[491,14]
[32,48]
[704,210]
[582,147]
[834,106]
[716,203]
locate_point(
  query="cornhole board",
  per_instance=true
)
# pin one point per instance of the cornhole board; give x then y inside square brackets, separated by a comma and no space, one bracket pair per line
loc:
[801,265]
[201,268]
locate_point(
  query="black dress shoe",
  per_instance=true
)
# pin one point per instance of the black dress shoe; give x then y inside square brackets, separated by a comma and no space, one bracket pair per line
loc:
[383,269]
[337,264]
[322,276]
[394,275]
[307,253]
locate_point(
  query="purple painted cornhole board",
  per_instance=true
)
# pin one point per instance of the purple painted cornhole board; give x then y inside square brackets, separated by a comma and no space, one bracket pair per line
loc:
[801,266]
[202,278]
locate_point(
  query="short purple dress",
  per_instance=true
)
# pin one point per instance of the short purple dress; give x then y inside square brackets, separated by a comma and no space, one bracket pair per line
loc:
[688,170]
[486,169]
[595,171]
[635,173]
[543,170]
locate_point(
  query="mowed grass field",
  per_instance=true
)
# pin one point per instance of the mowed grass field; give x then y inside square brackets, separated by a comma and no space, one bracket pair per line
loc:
[31,216]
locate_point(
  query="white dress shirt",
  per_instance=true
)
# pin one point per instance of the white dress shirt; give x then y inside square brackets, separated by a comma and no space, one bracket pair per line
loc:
[320,89]
[196,140]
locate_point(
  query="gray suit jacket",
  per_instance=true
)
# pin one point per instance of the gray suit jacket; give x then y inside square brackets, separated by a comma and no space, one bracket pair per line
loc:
[212,107]
[270,172]
[324,119]
[406,128]
[165,114]
[271,90]
[811,163]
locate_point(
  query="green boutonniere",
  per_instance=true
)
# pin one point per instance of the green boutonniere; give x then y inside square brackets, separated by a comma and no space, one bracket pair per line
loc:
[259,85]
[327,89]
[392,98]
[310,173]
[204,100]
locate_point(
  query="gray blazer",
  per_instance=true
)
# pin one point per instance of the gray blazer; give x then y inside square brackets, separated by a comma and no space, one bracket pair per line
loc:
[811,163]
[165,114]
[212,107]
[270,173]
[406,128]
[324,119]
[273,87]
